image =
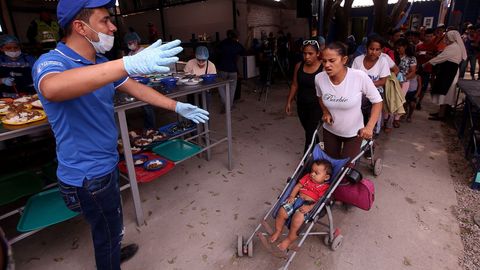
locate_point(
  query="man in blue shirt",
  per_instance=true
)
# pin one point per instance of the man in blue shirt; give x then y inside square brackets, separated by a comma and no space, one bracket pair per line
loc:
[76,84]
[229,50]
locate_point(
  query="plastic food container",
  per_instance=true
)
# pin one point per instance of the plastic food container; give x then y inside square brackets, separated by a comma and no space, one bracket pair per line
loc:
[209,78]
[154,164]
[169,82]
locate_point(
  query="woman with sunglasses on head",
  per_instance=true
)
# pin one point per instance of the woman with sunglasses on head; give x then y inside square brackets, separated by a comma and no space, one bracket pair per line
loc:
[303,90]
[340,90]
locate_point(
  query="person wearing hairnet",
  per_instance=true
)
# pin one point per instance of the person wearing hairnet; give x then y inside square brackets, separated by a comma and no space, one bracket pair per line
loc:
[132,39]
[200,65]
[76,84]
[15,68]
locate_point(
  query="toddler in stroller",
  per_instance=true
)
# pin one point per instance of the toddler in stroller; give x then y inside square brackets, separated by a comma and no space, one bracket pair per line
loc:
[309,189]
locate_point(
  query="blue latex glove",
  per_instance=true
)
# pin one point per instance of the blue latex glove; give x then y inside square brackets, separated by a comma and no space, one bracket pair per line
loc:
[191,112]
[8,81]
[153,59]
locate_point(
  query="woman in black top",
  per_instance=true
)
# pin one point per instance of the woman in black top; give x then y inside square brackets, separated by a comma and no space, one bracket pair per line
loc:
[303,90]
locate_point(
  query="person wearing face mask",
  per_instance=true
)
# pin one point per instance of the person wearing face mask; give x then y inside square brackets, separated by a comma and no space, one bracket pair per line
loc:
[132,39]
[76,85]
[133,43]
[198,66]
[15,68]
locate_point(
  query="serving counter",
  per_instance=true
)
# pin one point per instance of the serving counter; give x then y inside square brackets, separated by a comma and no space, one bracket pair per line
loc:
[203,136]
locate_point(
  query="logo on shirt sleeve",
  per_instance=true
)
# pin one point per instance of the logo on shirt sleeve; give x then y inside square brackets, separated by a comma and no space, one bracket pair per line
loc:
[49,64]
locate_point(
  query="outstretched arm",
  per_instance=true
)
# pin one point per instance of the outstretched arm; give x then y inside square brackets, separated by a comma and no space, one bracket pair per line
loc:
[73,83]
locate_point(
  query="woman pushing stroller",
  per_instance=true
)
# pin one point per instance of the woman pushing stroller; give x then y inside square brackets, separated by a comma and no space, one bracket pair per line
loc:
[340,90]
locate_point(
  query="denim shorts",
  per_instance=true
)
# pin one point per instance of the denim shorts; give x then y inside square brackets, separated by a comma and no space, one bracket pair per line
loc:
[290,208]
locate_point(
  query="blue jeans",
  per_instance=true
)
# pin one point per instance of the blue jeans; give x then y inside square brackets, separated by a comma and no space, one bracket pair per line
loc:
[98,200]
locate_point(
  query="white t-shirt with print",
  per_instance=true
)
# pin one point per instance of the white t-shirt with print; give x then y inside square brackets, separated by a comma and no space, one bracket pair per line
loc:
[344,100]
[389,60]
[378,71]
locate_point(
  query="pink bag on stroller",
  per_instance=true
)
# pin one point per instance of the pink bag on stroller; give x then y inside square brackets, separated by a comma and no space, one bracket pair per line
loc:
[361,194]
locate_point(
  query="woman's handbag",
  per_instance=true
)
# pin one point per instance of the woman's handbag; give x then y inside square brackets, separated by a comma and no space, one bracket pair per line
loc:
[360,194]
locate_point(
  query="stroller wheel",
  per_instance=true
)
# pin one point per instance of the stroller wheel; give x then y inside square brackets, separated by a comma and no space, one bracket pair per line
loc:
[239,246]
[326,240]
[250,249]
[378,167]
[337,242]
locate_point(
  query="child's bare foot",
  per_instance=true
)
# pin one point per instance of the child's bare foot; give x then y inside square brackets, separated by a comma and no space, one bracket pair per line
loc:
[284,244]
[274,237]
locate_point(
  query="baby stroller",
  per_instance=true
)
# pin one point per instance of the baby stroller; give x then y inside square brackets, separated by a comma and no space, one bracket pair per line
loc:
[332,237]
[376,163]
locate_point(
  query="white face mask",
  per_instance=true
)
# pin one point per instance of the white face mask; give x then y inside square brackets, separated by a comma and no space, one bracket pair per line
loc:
[104,43]
[13,54]
[132,47]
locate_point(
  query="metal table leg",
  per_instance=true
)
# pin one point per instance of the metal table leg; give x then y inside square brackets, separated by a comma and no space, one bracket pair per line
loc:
[130,167]
[228,115]
[199,127]
[206,127]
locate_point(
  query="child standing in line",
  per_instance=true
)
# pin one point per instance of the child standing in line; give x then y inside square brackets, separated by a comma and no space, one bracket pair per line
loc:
[414,91]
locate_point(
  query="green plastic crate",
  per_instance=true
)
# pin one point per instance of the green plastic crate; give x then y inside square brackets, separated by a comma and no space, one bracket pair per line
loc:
[177,149]
[18,185]
[44,209]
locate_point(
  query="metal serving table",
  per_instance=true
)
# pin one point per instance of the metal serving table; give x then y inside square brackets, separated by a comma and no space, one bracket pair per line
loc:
[11,132]
[203,130]
[469,124]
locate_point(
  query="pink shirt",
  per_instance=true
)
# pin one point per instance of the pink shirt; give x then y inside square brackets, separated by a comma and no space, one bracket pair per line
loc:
[192,68]
[311,188]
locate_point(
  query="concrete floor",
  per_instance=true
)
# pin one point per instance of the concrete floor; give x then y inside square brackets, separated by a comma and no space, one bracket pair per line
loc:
[194,213]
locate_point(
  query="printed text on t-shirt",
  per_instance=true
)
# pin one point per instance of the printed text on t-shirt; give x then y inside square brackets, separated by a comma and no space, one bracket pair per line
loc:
[333,98]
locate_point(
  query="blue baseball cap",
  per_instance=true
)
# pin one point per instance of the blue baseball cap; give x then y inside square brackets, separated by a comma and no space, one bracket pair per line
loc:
[68,9]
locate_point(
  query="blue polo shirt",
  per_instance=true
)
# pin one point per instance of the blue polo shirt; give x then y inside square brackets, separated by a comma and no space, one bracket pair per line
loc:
[84,127]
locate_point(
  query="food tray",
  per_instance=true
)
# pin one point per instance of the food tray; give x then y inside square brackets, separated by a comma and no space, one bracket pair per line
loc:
[177,149]
[144,176]
[44,209]
[171,132]
[43,116]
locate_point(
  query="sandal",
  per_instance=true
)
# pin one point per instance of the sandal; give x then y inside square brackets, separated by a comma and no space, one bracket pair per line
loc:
[396,123]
